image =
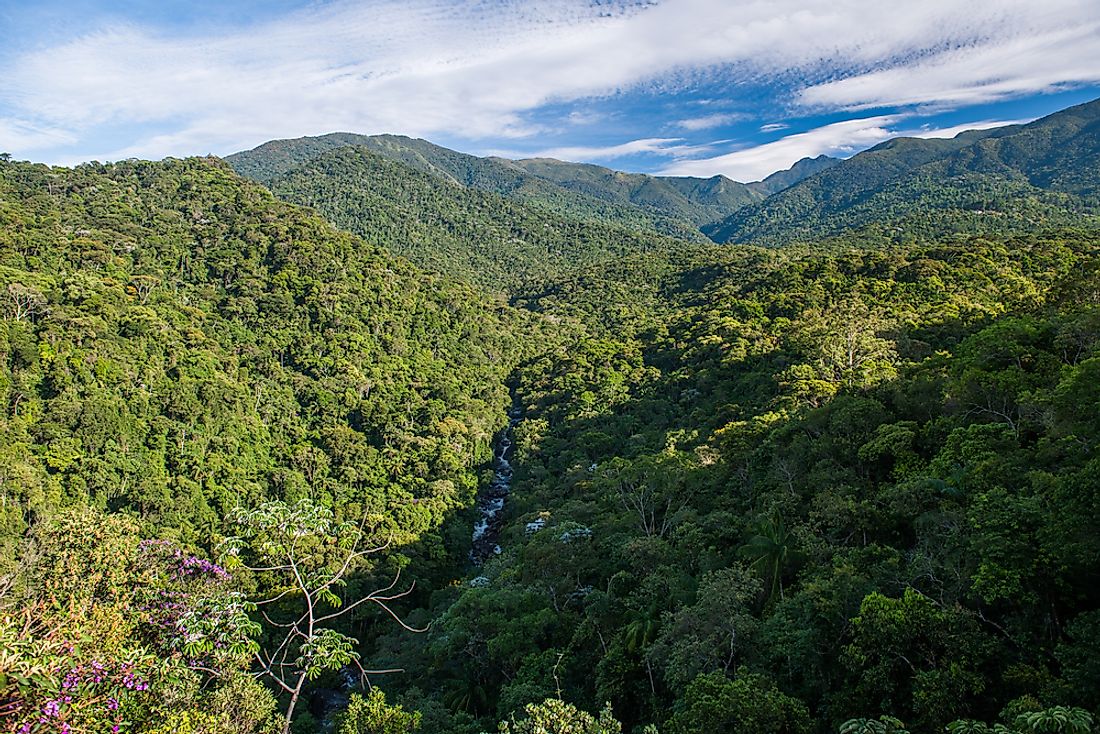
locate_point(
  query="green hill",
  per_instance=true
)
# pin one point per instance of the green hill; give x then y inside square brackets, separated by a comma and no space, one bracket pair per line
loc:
[178,342]
[695,200]
[1006,179]
[675,206]
[802,169]
[497,176]
[440,225]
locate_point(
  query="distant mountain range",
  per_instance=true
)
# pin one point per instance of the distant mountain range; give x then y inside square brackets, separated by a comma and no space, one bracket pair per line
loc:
[671,205]
[1012,178]
[1004,179]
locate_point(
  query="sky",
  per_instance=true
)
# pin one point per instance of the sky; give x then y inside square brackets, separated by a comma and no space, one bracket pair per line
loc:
[677,87]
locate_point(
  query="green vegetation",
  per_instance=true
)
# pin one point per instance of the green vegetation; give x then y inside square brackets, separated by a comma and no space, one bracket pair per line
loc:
[782,491]
[490,175]
[1000,181]
[668,205]
[790,490]
[477,236]
[693,200]
[179,344]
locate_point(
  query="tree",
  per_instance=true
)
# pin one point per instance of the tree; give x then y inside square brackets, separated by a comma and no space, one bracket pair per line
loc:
[372,715]
[24,303]
[769,551]
[652,489]
[748,704]
[711,634]
[882,725]
[1053,720]
[303,556]
[915,658]
[554,716]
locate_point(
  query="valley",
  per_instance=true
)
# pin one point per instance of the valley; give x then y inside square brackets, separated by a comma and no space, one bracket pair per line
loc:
[635,453]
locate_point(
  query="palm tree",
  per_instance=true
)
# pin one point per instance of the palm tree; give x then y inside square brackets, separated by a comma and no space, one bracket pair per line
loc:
[769,551]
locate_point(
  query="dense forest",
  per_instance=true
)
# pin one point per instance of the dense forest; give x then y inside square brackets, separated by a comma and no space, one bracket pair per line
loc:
[474,235]
[997,181]
[792,487]
[669,213]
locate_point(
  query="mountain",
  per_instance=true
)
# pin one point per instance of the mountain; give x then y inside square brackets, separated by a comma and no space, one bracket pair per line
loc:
[494,175]
[467,233]
[785,490]
[677,206]
[695,200]
[1004,179]
[802,169]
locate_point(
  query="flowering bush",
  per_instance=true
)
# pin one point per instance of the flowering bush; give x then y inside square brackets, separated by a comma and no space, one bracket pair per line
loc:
[159,636]
[54,685]
[188,609]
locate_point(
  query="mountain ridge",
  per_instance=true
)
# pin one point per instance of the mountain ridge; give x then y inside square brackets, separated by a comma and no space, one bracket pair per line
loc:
[1015,169]
[672,205]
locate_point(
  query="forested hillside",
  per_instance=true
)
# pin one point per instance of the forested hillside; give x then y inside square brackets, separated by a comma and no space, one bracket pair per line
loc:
[792,490]
[997,181]
[845,482]
[1004,180]
[496,176]
[477,236]
[694,200]
[181,346]
[672,205]
[178,341]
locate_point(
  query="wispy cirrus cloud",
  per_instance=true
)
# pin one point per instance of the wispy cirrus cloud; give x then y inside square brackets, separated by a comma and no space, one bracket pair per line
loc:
[1029,59]
[17,134]
[668,147]
[708,122]
[950,132]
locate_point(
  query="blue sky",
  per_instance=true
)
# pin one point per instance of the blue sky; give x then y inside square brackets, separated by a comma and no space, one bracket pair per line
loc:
[683,87]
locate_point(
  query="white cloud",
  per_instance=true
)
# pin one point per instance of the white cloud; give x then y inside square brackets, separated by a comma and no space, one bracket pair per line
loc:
[671,147]
[950,132]
[1044,60]
[771,127]
[753,164]
[707,122]
[840,140]
[477,70]
[17,135]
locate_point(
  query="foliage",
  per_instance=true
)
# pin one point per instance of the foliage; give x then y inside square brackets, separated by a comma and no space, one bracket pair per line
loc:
[372,715]
[554,716]
[781,490]
[123,652]
[748,703]
[305,558]
[473,235]
[885,541]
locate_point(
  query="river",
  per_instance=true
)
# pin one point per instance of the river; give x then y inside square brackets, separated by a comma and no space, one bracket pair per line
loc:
[485,543]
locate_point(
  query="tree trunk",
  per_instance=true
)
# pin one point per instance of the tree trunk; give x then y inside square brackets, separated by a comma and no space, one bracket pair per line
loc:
[293,702]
